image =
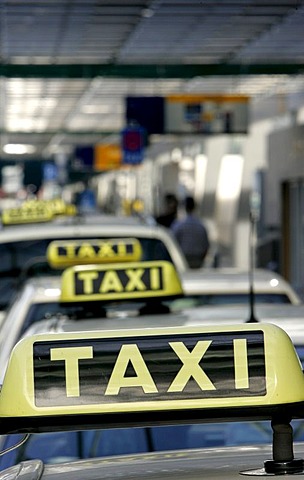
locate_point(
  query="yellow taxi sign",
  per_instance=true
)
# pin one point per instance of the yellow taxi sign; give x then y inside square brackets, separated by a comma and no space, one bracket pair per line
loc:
[70,209]
[31,214]
[191,373]
[134,280]
[56,205]
[65,253]
[36,211]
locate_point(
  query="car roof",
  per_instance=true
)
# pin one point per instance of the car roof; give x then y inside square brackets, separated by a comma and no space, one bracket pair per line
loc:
[216,463]
[230,278]
[89,218]
[100,223]
[46,289]
[203,282]
[96,226]
[289,317]
[234,280]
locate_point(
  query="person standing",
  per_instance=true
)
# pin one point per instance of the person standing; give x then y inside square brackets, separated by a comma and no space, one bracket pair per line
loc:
[169,214]
[192,235]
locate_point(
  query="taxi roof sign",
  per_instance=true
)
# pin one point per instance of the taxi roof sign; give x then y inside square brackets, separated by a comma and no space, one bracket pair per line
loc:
[57,206]
[31,214]
[134,377]
[65,253]
[121,281]
[37,211]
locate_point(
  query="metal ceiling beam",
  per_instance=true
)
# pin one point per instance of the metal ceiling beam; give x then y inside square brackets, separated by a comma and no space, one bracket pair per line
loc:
[60,132]
[145,71]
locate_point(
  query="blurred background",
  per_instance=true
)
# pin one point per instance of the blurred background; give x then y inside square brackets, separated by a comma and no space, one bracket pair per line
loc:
[138,99]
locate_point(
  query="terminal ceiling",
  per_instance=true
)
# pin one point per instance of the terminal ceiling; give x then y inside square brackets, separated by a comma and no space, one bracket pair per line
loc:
[66,66]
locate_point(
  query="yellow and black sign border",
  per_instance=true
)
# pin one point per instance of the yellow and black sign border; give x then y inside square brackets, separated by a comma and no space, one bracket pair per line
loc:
[112,250]
[281,359]
[163,273]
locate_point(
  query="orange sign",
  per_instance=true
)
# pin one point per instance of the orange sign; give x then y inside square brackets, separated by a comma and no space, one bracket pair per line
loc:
[107,157]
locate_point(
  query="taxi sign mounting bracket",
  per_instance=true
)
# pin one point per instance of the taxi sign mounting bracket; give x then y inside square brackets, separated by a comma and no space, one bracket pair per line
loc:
[283,461]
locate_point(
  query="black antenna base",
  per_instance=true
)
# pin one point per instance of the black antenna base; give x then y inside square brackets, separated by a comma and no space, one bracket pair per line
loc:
[252,319]
[282,468]
[283,462]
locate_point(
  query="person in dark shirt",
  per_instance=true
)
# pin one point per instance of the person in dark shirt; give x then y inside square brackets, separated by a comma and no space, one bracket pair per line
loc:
[170,212]
[192,235]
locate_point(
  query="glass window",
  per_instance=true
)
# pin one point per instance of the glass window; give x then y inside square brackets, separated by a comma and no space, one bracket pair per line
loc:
[20,260]
[189,301]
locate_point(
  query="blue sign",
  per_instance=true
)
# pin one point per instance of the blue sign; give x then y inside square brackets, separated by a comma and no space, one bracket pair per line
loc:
[50,172]
[83,157]
[133,139]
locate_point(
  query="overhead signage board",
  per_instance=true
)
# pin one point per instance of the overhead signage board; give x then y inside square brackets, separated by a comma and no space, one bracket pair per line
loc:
[133,139]
[83,158]
[107,157]
[206,114]
[146,111]
[210,114]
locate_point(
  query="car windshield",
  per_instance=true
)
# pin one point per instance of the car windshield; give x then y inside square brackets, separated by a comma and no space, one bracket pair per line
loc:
[197,300]
[59,447]
[24,259]
[90,310]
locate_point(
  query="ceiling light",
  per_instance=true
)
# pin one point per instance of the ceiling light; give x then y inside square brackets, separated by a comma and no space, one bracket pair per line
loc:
[95,109]
[18,148]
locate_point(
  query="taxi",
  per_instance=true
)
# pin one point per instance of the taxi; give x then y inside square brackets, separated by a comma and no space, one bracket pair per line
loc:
[133,295]
[27,231]
[154,377]
[122,290]
[41,298]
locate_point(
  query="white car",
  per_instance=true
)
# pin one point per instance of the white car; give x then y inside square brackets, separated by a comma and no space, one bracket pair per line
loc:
[231,285]
[39,298]
[20,245]
[64,318]
[183,388]
[57,313]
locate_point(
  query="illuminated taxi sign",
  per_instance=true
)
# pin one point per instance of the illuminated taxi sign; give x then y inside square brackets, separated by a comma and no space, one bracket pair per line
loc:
[127,371]
[120,281]
[70,210]
[57,206]
[35,211]
[31,214]
[76,252]
[219,373]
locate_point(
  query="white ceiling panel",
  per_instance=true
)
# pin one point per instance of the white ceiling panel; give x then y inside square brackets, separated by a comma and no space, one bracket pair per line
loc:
[66,66]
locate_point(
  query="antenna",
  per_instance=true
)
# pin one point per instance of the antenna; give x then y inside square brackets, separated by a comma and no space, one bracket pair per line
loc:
[253,218]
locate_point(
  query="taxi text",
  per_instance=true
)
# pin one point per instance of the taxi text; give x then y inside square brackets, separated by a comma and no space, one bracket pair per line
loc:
[128,280]
[103,371]
[100,250]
